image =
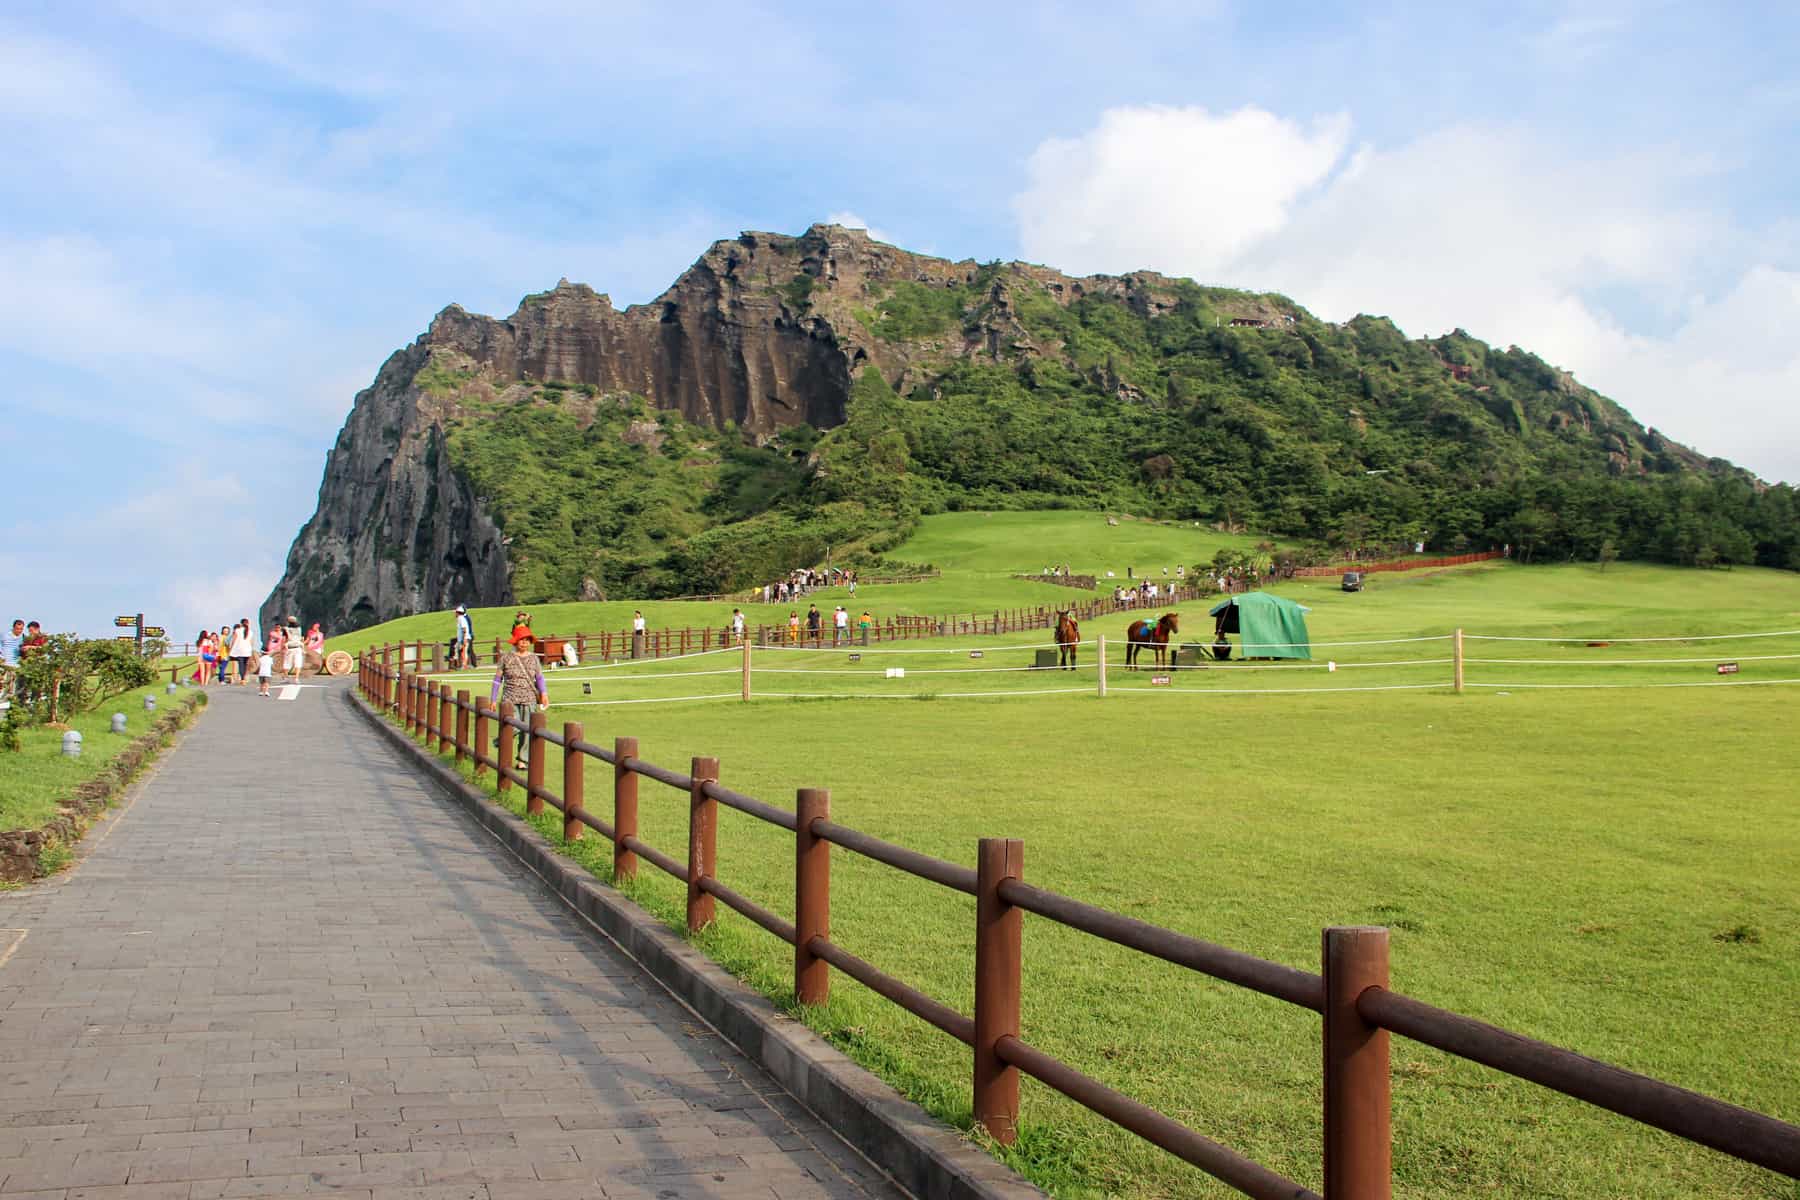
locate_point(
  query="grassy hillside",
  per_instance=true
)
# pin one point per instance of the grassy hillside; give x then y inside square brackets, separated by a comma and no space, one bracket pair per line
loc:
[1606,869]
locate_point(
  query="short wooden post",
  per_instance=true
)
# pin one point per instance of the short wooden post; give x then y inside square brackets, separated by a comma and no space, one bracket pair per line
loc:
[406,700]
[427,723]
[581,646]
[625,808]
[812,895]
[1456,658]
[446,719]
[1358,1141]
[999,957]
[746,668]
[535,752]
[1100,650]
[703,849]
[573,782]
[503,756]
[437,657]
[483,709]
[462,725]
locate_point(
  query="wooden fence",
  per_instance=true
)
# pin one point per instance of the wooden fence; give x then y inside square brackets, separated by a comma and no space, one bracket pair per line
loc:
[1396,564]
[665,643]
[1350,992]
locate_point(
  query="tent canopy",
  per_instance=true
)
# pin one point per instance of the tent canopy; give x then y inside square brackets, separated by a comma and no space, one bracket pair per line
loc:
[1268,626]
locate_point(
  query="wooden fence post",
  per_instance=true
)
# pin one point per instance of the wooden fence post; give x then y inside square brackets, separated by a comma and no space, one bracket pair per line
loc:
[483,708]
[406,700]
[573,782]
[746,668]
[446,719]
[535,751]
[812,895]
[1358,1142]
[462,725]
[1456,654]
[1100,649]
[504,758]
[998,964]
[703,849]
[625,808]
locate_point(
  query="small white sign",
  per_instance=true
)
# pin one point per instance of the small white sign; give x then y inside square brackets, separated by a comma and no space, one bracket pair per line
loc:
[896,672]
[1160,680]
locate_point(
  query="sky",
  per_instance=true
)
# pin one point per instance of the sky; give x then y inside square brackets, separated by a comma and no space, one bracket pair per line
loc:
[216,221]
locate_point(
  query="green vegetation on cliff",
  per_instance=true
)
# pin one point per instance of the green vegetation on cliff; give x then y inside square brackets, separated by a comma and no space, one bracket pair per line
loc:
[1157,397]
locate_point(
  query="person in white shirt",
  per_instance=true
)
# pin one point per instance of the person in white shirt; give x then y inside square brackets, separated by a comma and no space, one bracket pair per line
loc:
[737,624]
[840,625]
[242,647]
[463,655]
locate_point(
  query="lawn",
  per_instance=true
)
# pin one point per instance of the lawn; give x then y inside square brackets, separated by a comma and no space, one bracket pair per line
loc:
[33,780]
[1610,870]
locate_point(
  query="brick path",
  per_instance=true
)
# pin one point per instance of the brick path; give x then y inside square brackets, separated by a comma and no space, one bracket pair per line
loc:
[290,968]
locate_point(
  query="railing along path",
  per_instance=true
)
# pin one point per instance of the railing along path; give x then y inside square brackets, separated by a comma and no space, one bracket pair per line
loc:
[1350,992]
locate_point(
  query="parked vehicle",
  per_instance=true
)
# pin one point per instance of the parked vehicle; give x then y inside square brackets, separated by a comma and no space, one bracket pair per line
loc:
[1353,581]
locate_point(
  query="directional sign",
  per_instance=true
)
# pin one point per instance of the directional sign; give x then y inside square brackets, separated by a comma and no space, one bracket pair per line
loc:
[125,622]
[125,637]
[155,631]
[1728,668]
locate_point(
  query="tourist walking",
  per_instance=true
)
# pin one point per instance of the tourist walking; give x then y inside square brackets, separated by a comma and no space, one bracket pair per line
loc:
[519,682]
[243,646]
[295,654]
[265,667]
[812,623]
[737,625]
[463,655]
[840,626]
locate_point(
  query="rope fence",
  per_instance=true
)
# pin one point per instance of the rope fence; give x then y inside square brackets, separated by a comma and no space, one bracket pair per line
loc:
[855,668]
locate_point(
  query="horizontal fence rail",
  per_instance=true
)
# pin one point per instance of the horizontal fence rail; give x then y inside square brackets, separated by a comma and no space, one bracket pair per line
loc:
[1358,1011]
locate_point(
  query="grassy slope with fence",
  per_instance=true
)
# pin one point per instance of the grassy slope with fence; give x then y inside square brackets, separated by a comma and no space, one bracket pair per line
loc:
[1607,870]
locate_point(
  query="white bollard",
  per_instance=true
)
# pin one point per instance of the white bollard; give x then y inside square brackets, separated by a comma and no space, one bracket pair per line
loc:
[149,703]
[118,723]
[71,744]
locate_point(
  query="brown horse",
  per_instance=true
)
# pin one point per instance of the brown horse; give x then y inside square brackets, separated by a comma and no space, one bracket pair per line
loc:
[1154,634]
[1068,637]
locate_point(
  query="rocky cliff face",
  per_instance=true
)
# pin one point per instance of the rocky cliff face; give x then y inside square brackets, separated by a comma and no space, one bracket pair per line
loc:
[763,331]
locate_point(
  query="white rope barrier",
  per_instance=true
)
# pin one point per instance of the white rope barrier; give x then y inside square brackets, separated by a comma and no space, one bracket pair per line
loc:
[910,671]
[1621,662]
[1393,687]
[1085,691]
[649,700]
[1692,637]
[647,678]
[1628,686]
[555,672]
[853,648]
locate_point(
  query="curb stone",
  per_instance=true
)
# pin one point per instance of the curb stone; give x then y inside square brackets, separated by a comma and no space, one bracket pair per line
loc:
[926,1158]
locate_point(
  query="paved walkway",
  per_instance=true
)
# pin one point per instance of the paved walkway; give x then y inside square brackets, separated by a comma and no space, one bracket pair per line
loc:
[289,967]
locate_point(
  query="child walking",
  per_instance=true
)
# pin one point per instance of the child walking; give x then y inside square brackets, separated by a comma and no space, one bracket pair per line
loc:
[265,667]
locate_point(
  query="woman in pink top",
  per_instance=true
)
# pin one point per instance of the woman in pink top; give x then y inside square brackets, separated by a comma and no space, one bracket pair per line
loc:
[277,643]
[315,640]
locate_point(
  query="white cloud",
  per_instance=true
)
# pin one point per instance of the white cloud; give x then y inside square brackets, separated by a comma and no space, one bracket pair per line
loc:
[1149,178]
[1473,226]
[850,220]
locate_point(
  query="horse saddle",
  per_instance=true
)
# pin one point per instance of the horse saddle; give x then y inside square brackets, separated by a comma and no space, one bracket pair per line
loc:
[1142,630]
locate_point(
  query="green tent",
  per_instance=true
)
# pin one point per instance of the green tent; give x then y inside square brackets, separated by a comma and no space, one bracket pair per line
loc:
[1267,626]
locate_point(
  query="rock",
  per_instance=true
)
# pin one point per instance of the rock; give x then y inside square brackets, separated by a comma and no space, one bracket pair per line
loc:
[591,591]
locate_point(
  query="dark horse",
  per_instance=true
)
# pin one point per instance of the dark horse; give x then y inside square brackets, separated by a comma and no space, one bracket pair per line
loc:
[1068,636]
[1154,634]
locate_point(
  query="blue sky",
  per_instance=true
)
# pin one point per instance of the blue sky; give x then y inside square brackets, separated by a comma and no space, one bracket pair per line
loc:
[217,220]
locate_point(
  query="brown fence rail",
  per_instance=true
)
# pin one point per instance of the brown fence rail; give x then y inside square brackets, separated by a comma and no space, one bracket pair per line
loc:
[1350,992]
[1397,564]
[671,642]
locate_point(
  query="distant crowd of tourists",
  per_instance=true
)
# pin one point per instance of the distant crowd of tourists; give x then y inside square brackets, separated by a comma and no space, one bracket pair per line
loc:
[803,581]
[286,649]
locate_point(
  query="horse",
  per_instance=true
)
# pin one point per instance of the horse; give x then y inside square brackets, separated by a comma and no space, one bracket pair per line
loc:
[1155,635]
[1068,637]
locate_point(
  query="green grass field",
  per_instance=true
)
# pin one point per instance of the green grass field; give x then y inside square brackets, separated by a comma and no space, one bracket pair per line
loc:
[1612,870]
[33,780]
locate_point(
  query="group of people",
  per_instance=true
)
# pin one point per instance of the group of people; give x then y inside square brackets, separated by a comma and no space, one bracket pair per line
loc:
[804,580]
[1143,595]
[20,641]
[815,624]
[285,648]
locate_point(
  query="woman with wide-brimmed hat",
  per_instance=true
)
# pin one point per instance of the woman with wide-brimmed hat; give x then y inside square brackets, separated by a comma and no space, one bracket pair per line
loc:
[519,681]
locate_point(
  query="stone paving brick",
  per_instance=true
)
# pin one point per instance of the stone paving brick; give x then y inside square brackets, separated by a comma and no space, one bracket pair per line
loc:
[306,973]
